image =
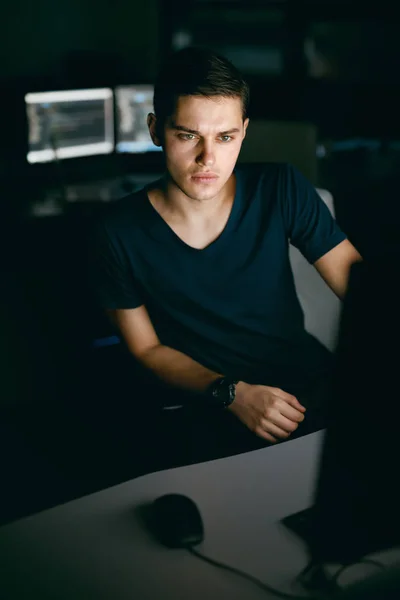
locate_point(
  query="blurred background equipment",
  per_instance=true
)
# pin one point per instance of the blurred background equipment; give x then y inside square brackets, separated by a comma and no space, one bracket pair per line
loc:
[70,123]
[133,104]
[282,141]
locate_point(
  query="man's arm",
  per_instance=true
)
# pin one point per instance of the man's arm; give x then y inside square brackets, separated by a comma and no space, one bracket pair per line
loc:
[169,365]
[269,412]
[334,267]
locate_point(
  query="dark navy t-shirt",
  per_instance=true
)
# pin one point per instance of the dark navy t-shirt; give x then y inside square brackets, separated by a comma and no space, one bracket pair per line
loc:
[231,306]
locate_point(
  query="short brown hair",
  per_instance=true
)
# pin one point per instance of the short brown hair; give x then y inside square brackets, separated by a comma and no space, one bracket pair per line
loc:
[196,71]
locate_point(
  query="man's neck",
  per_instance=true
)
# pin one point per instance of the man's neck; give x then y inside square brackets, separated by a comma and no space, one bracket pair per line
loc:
[174,202]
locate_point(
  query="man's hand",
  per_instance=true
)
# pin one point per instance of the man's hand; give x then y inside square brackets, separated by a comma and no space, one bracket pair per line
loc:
[269,412]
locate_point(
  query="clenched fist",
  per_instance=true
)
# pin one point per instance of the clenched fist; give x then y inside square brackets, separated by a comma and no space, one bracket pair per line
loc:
[269,412]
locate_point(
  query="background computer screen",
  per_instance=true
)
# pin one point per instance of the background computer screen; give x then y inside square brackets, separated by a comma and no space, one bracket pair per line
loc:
[69,123]
[133,104]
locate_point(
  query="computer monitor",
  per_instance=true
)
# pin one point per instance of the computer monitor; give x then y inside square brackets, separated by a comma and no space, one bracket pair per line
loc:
[356,509]
[133,104]
[69,123]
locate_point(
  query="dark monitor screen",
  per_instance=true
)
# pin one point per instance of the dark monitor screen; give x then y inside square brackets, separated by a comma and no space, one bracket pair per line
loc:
[356,509]
[69,123]
[133,104]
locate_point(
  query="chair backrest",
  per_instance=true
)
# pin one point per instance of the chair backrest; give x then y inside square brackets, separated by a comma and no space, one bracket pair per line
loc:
[320,305]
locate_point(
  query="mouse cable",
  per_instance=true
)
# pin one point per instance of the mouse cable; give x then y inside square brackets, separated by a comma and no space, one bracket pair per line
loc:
[313,576]
[264,586]
[327,587]
[368,561]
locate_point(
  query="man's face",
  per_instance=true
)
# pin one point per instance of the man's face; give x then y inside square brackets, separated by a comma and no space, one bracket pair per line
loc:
[203,137]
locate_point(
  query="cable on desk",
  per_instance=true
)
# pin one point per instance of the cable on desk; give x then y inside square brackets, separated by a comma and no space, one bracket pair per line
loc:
[314,578]
[327,586]
[368,561]
[264,586]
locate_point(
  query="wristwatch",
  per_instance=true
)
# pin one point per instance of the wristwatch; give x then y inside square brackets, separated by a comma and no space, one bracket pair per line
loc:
[222,391]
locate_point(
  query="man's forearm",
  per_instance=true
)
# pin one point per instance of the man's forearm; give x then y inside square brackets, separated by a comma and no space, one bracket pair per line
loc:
[178,369]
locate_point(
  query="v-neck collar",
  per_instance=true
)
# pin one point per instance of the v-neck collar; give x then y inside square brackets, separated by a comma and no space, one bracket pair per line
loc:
[163,231]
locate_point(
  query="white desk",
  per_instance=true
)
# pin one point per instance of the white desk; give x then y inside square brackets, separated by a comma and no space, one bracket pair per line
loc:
[96,547]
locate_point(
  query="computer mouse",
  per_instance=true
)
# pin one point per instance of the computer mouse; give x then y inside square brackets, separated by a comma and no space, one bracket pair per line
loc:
[176,521]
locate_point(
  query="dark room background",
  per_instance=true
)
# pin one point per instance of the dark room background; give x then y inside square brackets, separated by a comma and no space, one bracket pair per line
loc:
[333,64]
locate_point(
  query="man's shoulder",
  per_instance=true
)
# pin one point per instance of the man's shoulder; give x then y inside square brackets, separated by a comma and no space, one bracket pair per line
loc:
[264,180]
[263,171]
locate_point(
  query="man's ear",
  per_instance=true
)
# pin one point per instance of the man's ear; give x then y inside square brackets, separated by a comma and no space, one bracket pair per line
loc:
[152,125]
[245,124]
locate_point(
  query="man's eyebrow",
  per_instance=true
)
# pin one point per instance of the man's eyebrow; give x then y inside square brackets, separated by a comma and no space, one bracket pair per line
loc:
[194,132]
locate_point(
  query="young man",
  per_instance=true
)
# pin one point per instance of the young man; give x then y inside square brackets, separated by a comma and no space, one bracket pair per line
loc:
[194,269]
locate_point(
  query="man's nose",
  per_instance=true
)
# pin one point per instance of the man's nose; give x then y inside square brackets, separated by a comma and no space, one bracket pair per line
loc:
[207,155]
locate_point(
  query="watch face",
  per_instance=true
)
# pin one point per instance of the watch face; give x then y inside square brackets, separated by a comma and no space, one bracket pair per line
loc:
[224,391]
[220,390]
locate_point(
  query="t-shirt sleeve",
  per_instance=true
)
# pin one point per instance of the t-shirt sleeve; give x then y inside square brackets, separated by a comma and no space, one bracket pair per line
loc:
[111,276]
[309,224]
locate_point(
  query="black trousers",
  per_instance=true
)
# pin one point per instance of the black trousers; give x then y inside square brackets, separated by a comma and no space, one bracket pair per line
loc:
[131,434]
[195,434]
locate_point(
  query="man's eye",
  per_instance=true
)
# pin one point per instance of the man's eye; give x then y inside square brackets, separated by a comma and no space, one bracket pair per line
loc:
[226,138]
[187,136]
